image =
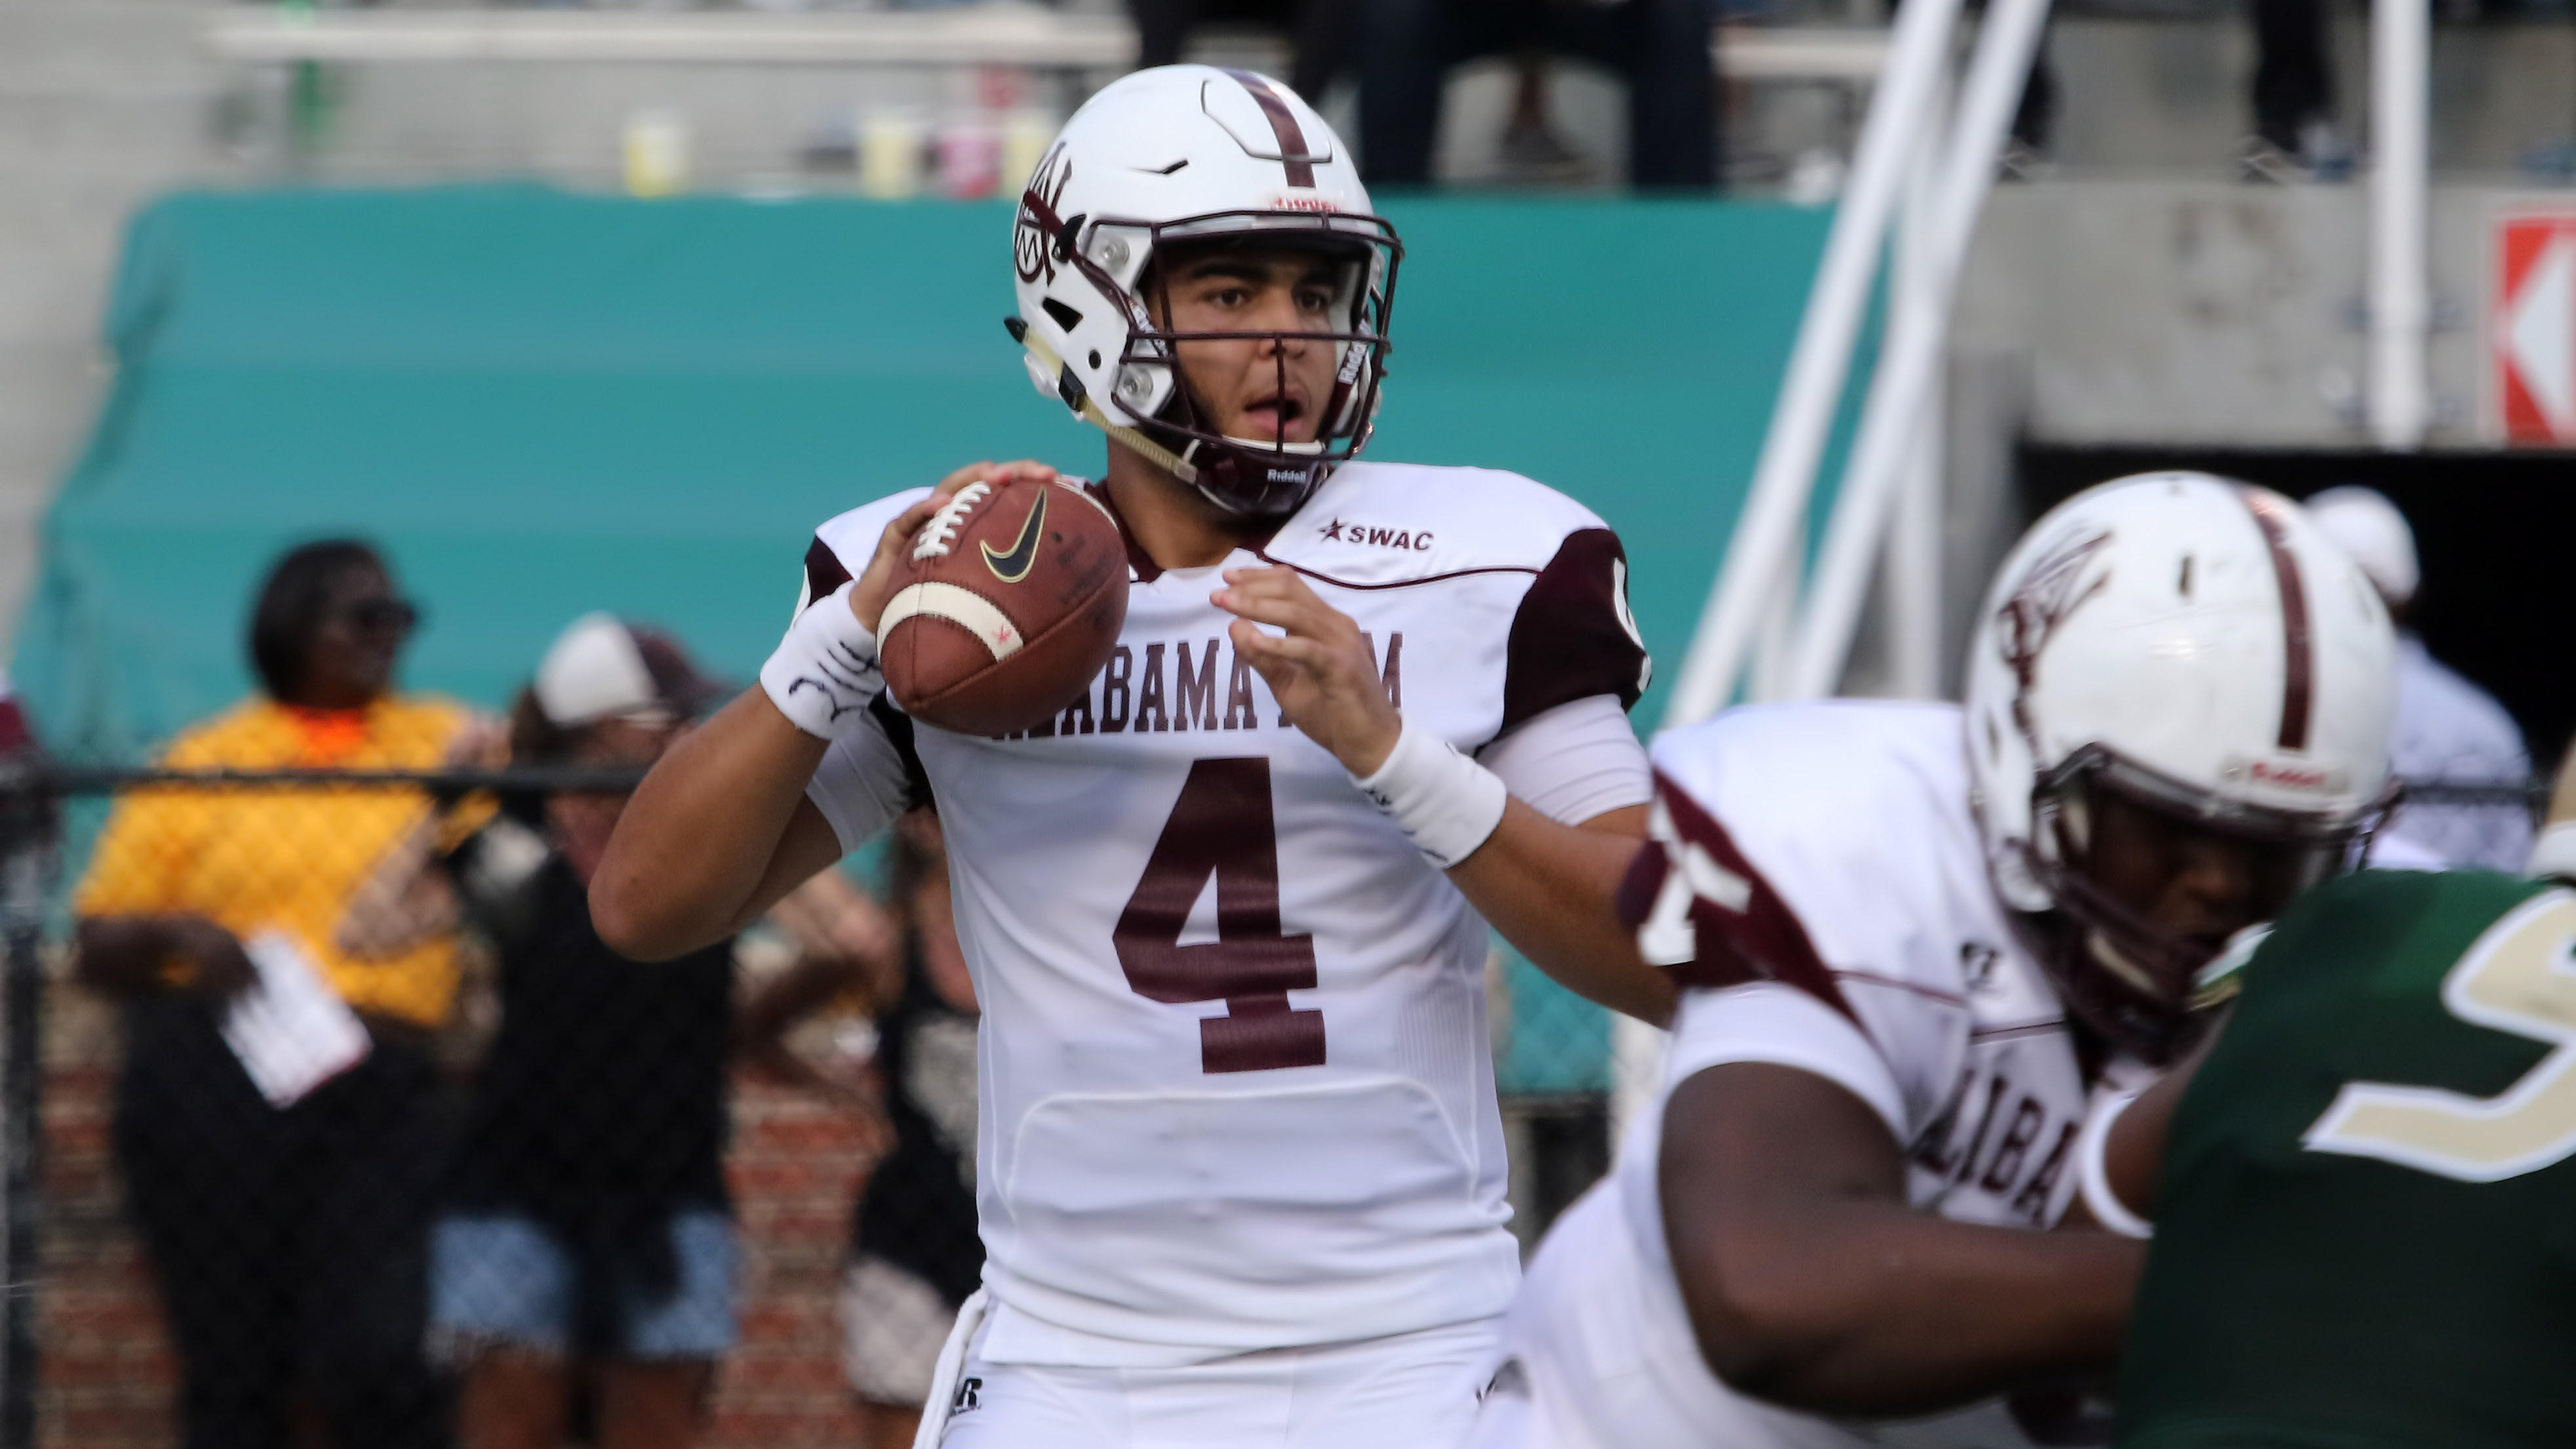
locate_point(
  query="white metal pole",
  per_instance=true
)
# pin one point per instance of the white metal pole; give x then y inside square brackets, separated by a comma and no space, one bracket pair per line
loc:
[1778,635]
[1910,598]
[1758,552]
[2400,306]
[1912,354]
[1913,591]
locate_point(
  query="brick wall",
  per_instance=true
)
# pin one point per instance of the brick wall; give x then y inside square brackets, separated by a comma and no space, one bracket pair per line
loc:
[106,1374]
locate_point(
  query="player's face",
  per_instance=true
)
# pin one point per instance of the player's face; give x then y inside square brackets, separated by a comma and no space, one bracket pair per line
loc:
[582,822]
[349,660]
[1268,389]
[2193,883]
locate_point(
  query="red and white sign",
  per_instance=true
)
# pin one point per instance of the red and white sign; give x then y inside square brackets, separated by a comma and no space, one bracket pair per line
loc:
[2531,329]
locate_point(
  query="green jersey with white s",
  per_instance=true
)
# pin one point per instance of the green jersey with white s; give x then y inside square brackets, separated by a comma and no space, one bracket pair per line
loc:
[2366,1228]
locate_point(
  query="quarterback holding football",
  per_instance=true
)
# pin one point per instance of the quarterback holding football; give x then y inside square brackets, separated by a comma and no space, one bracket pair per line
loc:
[1925,946]
[1237,750]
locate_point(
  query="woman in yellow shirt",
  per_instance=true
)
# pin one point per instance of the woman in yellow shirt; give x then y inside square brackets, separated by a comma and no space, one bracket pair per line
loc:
[288,1232]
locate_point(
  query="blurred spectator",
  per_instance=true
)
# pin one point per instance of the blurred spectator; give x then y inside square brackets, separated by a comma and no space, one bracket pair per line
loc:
[2294,136]
[1660,47]
[1533,153]
[1322,32]
[287,1237]
[914,1254]
[586,1230]
[2448,730]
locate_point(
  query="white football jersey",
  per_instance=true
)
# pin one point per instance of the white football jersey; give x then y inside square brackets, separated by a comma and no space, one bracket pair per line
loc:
[1819,885]
[1237,1089]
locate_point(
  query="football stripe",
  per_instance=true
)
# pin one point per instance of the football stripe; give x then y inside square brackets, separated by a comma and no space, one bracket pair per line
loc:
[965,608]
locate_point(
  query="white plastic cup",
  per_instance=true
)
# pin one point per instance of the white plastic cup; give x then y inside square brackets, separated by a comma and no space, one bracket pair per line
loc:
[657,153]
[1026,135]
[969,152]
[891,147]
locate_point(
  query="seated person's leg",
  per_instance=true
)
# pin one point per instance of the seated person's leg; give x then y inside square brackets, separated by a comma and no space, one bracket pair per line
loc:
[1661,47]
[1406,50]
[1327,35]
[1161,28]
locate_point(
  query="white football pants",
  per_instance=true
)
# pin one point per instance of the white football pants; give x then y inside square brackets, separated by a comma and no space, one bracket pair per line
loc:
[1597,1353]
[1410,1391]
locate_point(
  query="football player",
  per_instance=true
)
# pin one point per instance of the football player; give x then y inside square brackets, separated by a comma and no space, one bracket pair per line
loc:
[1919,941]
[1239,1168]
[2361,1217]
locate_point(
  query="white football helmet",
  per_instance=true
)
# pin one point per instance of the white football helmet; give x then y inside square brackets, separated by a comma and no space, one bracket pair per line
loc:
[2195,646]
[1188,154]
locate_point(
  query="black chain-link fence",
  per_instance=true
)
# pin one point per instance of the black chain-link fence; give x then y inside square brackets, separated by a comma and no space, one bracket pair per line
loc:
[331,1122]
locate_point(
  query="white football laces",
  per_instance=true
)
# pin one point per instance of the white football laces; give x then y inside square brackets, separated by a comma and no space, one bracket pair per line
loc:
[940,533]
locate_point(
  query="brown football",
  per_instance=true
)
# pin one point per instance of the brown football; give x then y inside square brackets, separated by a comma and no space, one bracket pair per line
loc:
[1009,601]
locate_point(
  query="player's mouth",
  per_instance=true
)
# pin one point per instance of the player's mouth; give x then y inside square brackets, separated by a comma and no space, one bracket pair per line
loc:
[1271,416]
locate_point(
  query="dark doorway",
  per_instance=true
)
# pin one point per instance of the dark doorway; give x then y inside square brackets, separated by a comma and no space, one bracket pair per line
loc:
[2496,533]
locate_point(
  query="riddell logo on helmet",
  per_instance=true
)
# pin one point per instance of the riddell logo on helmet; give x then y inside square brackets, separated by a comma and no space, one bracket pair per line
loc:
[2286,775]
[1304,203]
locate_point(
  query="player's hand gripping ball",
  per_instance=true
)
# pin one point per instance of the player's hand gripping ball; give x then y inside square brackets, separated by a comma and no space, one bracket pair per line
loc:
[1008,602]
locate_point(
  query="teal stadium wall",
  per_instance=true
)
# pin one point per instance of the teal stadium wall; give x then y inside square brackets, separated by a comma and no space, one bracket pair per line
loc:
[545,403]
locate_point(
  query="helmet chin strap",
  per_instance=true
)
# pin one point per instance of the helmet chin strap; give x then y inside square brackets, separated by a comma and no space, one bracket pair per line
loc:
[1070,388]
[1181,465]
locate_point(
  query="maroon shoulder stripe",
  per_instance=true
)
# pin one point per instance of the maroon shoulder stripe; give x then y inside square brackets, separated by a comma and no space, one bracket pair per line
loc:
[2298,651]
[824,572]
[1283,124]
[1762,942]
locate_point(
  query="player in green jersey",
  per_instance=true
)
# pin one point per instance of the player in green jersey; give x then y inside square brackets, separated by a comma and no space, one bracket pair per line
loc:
[2366,1208]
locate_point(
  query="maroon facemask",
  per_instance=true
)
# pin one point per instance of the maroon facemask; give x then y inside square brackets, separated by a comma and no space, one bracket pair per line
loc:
[2119,973]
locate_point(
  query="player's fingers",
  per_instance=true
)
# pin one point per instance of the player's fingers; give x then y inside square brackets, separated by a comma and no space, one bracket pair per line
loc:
[980,471]
[1262,652]
[1301,620]
[1274,582]
[1283,650]
[898,535]
[1024,470]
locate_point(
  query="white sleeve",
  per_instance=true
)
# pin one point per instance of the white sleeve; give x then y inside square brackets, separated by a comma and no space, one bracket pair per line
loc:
[1766,1021]
[1573,762]
[861,785]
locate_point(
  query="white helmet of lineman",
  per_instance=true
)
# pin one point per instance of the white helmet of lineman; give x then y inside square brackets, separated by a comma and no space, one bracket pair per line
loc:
[1195,154]
[2195,646]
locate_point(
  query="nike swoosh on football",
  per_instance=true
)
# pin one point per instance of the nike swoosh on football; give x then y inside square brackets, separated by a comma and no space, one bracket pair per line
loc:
[1013,566]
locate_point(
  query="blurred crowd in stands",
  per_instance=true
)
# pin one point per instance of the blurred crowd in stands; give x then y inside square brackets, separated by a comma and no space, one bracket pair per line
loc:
[371,1224]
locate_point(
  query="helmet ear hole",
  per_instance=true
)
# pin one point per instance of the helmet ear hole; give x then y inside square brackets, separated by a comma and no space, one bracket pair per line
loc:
[1065,317]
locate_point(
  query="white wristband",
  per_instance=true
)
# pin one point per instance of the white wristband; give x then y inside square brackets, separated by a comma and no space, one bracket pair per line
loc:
[2554,853]
[1447,803]
[824,675]
[2094,1178]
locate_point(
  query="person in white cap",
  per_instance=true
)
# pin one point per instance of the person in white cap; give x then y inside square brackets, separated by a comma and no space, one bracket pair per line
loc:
[586,1224]
[2449,731]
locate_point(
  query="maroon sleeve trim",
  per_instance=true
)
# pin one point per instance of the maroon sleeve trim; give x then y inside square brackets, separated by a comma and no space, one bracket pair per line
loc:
[1571,638]
[824,571]
[898,728]
[1762,939]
